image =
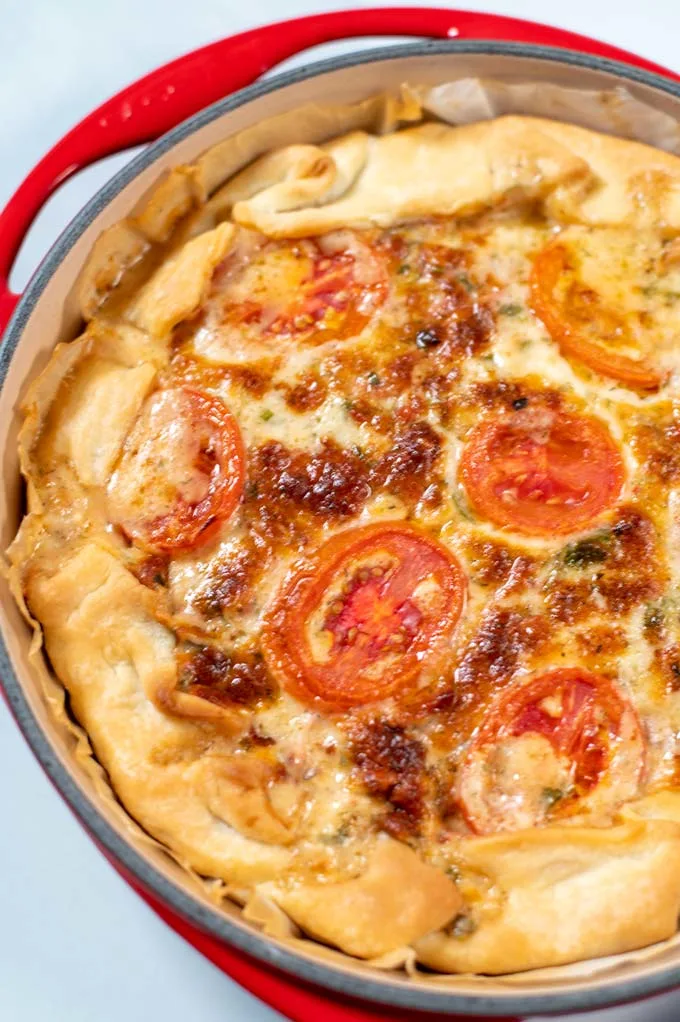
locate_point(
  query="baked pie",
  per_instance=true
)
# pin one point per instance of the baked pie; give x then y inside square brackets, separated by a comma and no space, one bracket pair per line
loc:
[353,534]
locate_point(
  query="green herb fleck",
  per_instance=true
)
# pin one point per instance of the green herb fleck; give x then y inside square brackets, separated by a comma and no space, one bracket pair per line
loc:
[404,268]
[551,796]
[654,616]
[374,379]
[461,506]
[348,405]
[339,836]
[511,309]
[593,550]
[159,580]
[462,926]
[463,279]
[266,414]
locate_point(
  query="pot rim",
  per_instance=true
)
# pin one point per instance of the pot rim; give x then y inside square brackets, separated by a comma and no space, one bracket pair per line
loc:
[398,994]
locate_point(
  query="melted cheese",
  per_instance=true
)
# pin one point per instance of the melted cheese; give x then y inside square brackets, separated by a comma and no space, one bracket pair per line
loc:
[371,388]
[519,347]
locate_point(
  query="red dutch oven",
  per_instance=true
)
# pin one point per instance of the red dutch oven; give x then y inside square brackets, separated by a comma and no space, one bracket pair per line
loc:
[180,110]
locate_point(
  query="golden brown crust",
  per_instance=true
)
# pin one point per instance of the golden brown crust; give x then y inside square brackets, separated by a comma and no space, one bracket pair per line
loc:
[634,183]
[397,900]
[548,887]
[360,180]
[178,288]
[104,641]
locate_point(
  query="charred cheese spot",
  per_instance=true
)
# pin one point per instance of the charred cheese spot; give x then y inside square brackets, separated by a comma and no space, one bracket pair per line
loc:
[365,412]
[499,564]
[602,641]
[254,378]
[506,637]
[658,445]
[443,300]
[230,583]
[333,484]
[513,395]
[398,373]
[390,763]
[407,468]
[667,660]
[152,571]
[615,572]
[227,679]
[329,483]
[307,394]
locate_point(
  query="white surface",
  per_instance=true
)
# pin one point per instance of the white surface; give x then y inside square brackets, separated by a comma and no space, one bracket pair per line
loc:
[76,945]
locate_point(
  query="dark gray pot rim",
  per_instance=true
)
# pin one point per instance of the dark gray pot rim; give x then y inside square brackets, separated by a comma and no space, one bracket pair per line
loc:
[400,993]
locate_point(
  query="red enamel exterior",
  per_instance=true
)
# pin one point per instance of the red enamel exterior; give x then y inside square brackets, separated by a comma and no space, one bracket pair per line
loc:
[299,1001]
[147,109]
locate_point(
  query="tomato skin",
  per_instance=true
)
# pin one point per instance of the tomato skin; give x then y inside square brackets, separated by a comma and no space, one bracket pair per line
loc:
[593,719]
[210,436]
[541,473]
[372,617]
[334,293]
[331,289]
[548,268]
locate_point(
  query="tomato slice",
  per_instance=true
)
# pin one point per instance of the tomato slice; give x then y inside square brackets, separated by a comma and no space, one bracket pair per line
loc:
[582,324]
[541,472]
[307,291]
[564,743]
[364,615]
[181,472]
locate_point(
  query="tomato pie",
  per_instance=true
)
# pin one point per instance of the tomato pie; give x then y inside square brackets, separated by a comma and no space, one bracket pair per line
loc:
[353,534]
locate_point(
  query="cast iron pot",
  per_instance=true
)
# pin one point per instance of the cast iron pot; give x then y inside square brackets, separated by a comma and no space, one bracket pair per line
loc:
[183,109]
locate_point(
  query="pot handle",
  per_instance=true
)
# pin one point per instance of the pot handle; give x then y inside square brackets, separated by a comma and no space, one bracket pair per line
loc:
[162,99]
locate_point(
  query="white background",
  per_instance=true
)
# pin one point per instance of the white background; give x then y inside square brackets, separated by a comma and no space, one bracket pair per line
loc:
[76,945]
